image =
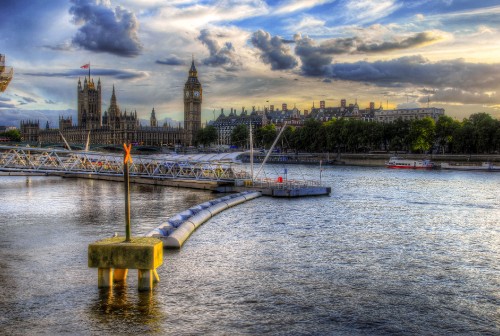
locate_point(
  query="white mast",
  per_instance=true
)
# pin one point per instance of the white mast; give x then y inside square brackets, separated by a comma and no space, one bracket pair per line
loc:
[251,151]
[271,149]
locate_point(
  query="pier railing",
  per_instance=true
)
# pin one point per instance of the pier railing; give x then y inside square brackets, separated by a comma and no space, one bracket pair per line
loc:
[286,184]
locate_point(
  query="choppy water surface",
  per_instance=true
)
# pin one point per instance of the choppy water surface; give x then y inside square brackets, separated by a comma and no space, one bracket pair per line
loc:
[389,252]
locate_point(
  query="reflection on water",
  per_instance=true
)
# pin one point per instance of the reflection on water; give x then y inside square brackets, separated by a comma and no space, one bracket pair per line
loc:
[140,309]
[389,252]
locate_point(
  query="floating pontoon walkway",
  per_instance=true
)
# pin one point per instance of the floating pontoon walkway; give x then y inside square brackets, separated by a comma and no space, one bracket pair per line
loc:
[177,229]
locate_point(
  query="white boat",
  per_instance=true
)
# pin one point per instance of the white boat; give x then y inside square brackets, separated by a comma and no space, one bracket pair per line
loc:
[402,163]
[484,166]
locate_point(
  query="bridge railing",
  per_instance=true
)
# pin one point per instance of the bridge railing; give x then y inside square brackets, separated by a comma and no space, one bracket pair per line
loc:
[63,161]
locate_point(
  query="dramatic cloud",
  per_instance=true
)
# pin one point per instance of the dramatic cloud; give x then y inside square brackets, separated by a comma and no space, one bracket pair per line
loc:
[416,70]
[461,96]
[274,51]
[6,105]
[171,60]
[65,46]
[14,117]
[315,61]
[317,58]
[339,46]
[26,100]
[104,29]
[416,40]
[224,56]
[118,74]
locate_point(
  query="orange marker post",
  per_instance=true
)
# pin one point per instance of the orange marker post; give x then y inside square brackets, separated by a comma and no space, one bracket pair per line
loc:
[127,158]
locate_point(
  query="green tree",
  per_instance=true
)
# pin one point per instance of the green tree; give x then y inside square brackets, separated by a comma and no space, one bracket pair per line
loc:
[422,134]
[484,132]
[463,137]
[207,135]
[445,127]
[311,136]
[239,136]
[13,135]
[401,136]
[265,136]
[289,138]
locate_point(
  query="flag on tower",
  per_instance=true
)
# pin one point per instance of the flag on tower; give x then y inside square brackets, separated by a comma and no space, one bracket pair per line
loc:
[85,66]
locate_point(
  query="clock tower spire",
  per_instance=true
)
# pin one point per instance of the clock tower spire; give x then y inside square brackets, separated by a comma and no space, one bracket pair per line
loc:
[192,106]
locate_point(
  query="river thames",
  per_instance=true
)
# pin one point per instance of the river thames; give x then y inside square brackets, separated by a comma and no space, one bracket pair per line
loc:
[398,252]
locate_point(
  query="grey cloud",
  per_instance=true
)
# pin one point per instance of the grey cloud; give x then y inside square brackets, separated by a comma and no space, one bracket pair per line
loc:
[461,96]
[274,51]
[219,56]
[104,29]
[339,46]
[26,99]
[49,101]
[65,46]
[172,60]
[315,61]
[13,117]
[6,105]
[410,42]
[416,70]
[119,74]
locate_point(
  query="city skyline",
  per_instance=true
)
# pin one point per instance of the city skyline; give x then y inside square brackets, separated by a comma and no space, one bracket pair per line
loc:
[251,53]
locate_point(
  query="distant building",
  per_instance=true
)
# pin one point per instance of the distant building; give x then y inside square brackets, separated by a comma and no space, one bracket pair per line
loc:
[89,104]
[226,124]
[193,95]
[389,116]
[115,126]
[6,74]
[351,111]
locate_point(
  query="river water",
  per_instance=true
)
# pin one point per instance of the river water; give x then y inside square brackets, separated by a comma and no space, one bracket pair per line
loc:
[389,252]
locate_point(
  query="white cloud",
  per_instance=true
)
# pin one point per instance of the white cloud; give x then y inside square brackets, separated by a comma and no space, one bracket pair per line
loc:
[307,24]
[366,11]
[297,5]
[193,17]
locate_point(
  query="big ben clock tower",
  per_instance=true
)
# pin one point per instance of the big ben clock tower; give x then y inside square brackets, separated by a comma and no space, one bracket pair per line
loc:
[192,106]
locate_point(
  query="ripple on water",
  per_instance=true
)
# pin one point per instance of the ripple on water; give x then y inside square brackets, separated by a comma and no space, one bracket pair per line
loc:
[389,252]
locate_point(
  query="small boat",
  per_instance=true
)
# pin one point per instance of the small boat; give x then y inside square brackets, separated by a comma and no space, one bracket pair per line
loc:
[402,163]
[484,166]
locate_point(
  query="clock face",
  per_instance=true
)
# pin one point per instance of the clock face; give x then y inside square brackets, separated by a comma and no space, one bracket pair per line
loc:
[187,94]
[197,94]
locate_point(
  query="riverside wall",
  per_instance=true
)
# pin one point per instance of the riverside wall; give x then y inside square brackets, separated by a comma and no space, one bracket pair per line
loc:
[369,160]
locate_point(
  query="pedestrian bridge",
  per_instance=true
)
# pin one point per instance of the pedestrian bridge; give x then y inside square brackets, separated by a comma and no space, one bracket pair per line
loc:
[223,167]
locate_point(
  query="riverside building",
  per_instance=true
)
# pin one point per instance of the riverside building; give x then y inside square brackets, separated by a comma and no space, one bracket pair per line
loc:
[115,126]
[389,116]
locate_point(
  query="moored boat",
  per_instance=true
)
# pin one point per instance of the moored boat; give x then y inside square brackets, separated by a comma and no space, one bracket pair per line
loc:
[402,163]
[484,166]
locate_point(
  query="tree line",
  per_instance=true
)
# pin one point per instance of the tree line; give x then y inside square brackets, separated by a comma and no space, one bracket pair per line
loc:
[479,134]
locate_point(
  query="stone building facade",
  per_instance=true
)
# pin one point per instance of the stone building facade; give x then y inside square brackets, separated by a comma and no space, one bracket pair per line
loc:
[115,126]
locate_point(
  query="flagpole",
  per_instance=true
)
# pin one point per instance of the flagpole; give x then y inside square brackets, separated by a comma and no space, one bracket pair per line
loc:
[89,71]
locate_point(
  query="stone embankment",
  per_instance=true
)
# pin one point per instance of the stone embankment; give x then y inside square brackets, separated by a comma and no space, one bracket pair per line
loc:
[367,159]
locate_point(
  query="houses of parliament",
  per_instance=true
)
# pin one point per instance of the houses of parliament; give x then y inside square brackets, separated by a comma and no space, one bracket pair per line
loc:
[115,127]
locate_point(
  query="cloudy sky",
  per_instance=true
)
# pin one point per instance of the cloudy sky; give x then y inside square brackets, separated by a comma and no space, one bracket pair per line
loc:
[445,53]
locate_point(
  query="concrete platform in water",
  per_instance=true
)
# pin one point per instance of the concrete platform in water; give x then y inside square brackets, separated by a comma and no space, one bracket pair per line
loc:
[282,188]
[288,192]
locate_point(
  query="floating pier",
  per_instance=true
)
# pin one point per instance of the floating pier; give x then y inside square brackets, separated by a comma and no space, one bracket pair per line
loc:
[177,229]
